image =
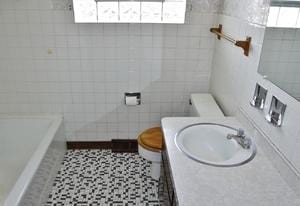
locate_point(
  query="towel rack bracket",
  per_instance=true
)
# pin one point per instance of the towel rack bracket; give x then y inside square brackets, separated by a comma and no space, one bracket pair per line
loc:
[244,44]
[217,31]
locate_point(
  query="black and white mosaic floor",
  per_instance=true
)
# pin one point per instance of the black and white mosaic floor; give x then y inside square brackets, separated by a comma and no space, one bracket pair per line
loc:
[103,178]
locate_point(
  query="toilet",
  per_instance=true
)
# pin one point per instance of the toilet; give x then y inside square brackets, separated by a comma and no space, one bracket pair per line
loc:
[150,144]
[150,141]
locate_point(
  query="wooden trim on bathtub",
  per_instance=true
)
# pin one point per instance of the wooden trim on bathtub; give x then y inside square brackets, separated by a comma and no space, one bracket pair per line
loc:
[116,145]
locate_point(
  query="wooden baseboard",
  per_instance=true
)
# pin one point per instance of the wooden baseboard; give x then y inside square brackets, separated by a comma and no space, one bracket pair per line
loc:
[120,145]
[116,145]
[89,145]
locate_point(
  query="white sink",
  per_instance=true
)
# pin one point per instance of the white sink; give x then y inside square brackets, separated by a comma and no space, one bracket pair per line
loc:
[208,143]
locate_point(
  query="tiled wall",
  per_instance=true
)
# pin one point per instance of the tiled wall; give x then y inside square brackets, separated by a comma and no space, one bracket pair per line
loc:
[280,59]
[234,76]
[48,64]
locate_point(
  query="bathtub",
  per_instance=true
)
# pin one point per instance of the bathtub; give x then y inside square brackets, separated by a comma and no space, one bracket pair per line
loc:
[31,150]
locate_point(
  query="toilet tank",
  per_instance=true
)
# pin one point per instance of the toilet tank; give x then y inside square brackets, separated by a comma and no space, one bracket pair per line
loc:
[204,105]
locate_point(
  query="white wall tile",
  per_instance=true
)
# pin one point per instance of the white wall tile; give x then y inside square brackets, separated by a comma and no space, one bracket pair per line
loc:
[48,64]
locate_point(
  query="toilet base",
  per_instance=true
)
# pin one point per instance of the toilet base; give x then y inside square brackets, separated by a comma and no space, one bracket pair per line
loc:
[155,170]
[154,158]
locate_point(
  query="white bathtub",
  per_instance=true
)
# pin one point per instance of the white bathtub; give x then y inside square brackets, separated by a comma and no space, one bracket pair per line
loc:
[31,150]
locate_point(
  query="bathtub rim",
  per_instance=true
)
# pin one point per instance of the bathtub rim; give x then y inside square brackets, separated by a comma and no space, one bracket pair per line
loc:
[22,183]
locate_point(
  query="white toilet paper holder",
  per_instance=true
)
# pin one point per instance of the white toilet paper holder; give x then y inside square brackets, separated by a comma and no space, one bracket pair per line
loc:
[133,94]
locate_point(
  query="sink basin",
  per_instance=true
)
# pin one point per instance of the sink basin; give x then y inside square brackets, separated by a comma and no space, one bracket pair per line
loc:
[208,143]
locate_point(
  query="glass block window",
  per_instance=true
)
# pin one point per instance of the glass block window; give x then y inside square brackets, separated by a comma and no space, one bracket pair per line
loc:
[173,12]
[86,11]
[144,11]
[151,12]
[107,12]
[130,11]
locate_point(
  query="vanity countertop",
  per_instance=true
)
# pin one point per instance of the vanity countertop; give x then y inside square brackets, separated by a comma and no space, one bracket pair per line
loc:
[255,183]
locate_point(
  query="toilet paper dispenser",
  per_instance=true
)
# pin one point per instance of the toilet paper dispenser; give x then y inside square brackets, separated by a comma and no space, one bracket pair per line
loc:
[132,98]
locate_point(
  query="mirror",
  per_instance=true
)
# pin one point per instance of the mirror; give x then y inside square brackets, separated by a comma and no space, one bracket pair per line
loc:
[280,56]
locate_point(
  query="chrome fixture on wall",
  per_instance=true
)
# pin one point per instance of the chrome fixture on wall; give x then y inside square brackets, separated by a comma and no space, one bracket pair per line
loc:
[276,112]
[259,97]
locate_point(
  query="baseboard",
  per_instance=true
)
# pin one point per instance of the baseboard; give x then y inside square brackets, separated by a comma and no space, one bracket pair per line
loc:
[120,145]
[116,145]
[89,145]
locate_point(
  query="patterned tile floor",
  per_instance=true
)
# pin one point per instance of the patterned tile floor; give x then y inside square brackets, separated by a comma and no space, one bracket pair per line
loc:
[103,178]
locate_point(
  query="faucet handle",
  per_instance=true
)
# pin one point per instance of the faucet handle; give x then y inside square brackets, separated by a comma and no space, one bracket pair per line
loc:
[240,132]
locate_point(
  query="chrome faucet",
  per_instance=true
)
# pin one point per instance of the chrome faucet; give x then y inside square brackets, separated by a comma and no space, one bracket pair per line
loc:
[241,138]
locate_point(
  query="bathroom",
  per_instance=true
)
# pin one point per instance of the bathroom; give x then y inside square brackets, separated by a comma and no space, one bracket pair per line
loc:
[79,90]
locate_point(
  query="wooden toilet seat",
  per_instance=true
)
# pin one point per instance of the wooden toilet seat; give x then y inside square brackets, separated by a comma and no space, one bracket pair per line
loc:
[151,139]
